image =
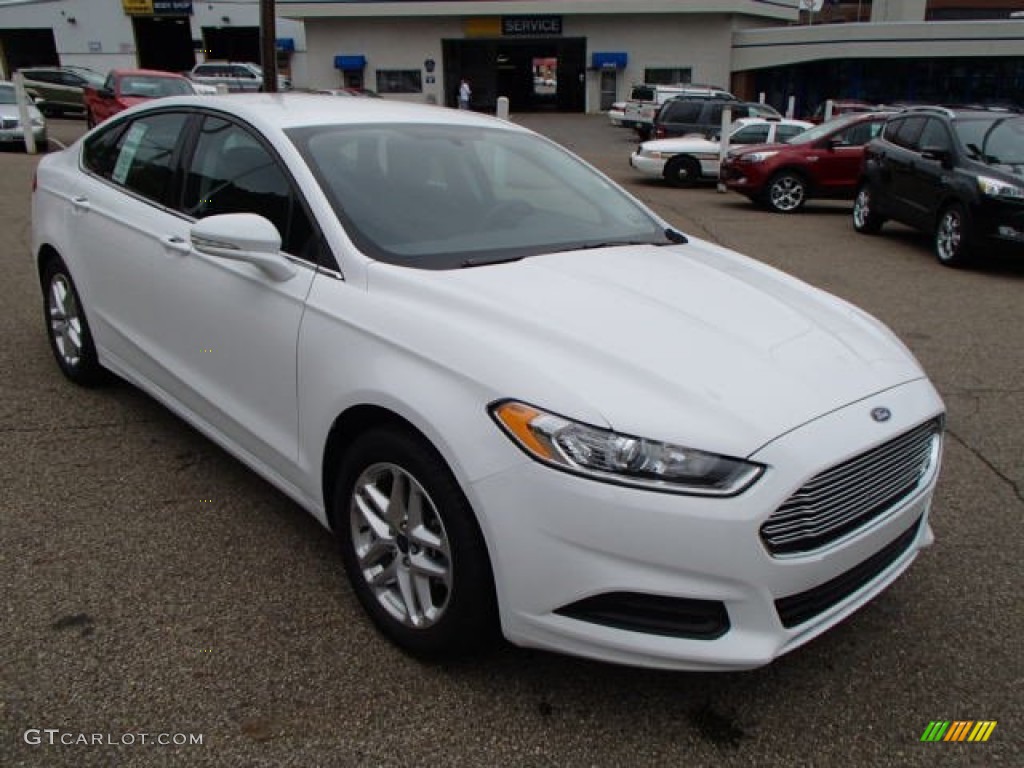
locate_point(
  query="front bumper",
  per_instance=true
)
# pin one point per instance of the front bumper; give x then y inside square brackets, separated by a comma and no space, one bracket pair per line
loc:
[559,540]
[747,178]
[1002,224]
[17,135]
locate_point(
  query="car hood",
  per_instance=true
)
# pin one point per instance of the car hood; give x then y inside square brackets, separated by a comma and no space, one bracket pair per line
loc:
[746,149]
[10,112]
[1015,170]
[689,343]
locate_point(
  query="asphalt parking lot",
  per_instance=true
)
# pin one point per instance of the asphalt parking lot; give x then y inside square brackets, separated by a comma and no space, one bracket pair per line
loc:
[152,584]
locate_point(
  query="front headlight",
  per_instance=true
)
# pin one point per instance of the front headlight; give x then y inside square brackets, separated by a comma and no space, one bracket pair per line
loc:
[38,122]
[757,157]
[634,461]
[999,188]
[654,153]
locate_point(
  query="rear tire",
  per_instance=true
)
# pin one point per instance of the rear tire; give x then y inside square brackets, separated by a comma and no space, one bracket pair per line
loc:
[682,171]
[953,236]
[865,220]
[67,327]
[411,546]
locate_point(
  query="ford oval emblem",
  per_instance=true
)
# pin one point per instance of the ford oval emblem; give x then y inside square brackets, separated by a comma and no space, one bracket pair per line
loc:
[881,414]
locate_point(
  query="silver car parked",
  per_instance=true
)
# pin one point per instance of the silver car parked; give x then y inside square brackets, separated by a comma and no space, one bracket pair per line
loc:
[236,76]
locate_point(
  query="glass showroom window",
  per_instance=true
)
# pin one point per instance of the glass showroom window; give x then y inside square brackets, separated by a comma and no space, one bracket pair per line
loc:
[399,81]
[668,76]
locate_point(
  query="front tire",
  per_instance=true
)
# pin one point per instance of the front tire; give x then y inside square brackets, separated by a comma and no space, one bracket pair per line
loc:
[682,171]
[865,219]
[411,546]
[67,327]
[952,236]
[786,193]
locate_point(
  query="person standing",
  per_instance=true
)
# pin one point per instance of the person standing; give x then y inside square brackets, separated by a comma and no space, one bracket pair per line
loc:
[464,94]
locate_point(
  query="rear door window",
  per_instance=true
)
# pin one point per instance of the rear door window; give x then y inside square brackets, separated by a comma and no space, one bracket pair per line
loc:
[751,134]
[146,154]
[680,112]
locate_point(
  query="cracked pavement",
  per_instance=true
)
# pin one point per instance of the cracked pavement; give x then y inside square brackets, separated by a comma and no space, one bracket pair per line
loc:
[151,583]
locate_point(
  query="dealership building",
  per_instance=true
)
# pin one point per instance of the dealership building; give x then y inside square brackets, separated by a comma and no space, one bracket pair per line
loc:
[564,55]
[172,35]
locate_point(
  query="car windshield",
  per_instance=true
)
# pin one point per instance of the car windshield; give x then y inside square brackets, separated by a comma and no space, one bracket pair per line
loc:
[7,94]
[154,87]
[998,141]
[812,135]
[445,196]
[90,76]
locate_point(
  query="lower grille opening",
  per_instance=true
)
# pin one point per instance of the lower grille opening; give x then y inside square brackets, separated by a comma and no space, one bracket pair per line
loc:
[653,614]
[796,609]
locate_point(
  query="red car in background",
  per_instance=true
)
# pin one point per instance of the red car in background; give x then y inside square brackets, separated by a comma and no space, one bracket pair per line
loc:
[126,87]
[822,162]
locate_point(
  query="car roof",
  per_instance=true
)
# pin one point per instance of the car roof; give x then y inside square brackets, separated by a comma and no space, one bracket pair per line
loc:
[148,73]
[282,111]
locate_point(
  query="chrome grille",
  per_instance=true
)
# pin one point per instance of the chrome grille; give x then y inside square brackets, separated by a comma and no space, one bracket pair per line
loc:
[849,495]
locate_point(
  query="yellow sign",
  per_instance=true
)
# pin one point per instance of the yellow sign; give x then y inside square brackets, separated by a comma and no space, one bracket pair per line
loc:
[487,26]
[138,7]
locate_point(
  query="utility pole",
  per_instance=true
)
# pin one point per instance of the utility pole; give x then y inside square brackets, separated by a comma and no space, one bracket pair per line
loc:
[268,45]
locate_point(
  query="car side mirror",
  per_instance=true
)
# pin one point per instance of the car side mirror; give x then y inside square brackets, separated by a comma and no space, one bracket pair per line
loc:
[939,154]
[837,142]
[243,237]
[105,93]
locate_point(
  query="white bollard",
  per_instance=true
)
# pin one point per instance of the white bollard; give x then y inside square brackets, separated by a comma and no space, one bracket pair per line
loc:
[791,107]
[828,110]
[26,122]
[760,98]
[502,110]
[723,146]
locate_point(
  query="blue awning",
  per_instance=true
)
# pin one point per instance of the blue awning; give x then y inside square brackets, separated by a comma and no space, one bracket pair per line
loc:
[616,60]
[286,44]
[349,62]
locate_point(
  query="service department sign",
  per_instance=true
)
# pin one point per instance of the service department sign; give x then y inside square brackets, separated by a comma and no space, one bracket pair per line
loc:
[521,26]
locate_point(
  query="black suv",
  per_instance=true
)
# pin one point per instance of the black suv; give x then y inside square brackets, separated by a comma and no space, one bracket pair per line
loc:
[688,114]
[957,173]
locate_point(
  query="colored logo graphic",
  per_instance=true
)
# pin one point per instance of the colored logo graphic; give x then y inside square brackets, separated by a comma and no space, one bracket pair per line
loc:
[958,730]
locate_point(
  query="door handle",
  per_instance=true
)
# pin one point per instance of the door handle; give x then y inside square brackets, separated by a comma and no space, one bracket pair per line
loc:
[177,244]
[81,203]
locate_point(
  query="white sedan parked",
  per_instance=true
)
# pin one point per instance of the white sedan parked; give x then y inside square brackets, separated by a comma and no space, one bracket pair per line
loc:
[517,397]
[684,160]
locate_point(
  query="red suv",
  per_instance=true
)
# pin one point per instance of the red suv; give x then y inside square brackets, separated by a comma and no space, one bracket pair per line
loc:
[824,161]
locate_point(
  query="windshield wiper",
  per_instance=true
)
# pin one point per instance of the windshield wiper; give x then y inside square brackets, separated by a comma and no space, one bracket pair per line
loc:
[672,237]
[488,262]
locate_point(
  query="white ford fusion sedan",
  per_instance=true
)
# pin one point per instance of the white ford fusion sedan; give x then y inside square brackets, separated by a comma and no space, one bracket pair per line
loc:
[518,398]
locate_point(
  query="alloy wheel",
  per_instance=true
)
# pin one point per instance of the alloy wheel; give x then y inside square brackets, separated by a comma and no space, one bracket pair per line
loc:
[949,236]
[786,193]
[65,321]
[401,546]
